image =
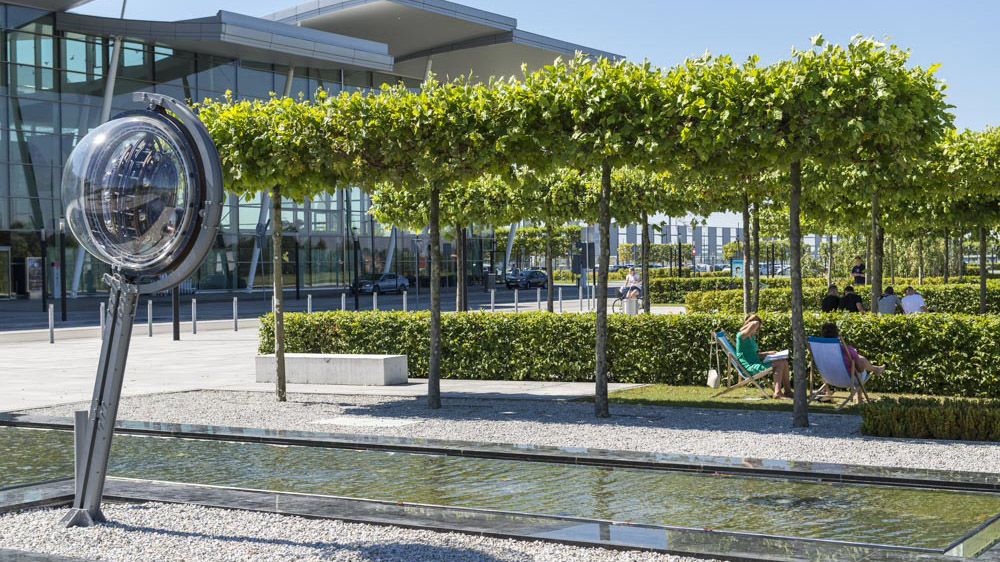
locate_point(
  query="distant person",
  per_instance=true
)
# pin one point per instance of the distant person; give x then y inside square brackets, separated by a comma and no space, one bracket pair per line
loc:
[633,285]
[753,361]
[851,302]
[831,301]
[851,355]
[912,302]
[889,303]
[858,271]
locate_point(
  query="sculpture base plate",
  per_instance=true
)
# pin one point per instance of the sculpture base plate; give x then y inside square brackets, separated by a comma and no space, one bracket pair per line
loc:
[78,517]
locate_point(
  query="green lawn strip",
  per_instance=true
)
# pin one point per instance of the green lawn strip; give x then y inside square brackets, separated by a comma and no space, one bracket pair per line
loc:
[739,399]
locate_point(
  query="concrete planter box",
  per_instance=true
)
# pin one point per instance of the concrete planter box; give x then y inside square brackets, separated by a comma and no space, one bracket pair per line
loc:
[320,368]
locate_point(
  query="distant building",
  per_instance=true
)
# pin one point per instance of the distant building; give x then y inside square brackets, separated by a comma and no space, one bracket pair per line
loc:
[54,72]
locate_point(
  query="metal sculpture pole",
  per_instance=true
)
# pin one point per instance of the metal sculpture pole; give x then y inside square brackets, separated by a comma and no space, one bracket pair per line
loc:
[143,193]
[94,443]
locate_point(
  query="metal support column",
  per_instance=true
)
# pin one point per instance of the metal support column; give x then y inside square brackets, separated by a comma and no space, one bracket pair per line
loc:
[95,447]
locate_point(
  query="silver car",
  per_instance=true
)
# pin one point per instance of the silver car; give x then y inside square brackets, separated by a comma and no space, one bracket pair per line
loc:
[385,283]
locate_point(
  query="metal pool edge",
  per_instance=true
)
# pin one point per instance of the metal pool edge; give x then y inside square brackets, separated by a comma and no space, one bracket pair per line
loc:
[803,470]
[677,541]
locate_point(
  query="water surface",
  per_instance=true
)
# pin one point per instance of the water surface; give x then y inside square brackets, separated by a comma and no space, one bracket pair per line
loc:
[859,513]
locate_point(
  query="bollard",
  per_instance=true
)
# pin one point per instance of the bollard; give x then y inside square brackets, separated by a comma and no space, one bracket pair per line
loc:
[538,298]
[374,300]
[194,316]
[309,303]
[579,291]
[493,300]
[149,316]
[515,300]
[343,301]
[404,300]
[236,315]
[52,323]
[560,300]
[103,312]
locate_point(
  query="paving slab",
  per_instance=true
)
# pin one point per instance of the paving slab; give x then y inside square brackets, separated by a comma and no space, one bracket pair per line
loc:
[36,374]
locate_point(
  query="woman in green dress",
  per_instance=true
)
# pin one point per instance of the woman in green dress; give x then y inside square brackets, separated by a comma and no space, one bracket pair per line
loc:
[753,360]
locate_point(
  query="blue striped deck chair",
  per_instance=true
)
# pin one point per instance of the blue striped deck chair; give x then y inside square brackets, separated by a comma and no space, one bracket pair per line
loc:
[828,359]
[733,364]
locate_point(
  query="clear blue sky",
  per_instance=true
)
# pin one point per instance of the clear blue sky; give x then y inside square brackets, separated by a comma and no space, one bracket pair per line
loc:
[961,34]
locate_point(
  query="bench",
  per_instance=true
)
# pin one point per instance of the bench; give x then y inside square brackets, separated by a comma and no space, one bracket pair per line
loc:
[322,368]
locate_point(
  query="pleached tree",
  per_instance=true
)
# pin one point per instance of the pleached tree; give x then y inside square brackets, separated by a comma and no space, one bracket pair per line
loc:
[595,116]
[426,148]
[284,148]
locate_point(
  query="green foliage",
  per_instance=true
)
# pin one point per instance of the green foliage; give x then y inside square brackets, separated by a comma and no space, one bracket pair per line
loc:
[663,254]
[938,354]
[531,239]
[964,420]
[279,141]
[960,298]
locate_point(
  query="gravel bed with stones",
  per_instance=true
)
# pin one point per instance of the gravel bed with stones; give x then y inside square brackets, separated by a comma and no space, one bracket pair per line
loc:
[737,433]
[162,532]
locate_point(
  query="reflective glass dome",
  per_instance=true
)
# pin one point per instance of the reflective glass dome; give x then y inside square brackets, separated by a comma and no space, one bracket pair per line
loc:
[130,193]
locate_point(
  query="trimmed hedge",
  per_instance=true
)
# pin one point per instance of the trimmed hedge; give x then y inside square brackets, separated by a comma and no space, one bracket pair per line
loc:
[954,298]
[674,289]
[938,354]
[927,418]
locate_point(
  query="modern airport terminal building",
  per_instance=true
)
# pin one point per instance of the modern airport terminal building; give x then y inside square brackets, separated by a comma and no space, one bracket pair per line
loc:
[56,79]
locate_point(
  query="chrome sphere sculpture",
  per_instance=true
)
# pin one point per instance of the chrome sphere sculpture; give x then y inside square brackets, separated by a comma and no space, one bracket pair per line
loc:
[143,193]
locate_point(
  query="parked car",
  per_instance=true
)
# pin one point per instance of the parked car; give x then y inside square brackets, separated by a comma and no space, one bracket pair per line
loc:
[384,283]
[527,279]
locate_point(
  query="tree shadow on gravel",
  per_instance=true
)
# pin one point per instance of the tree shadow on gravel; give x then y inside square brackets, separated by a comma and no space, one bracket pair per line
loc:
[582,414]
[328,550]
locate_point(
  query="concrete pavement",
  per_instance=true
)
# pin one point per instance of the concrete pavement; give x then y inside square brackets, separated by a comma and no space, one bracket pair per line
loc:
[35,373]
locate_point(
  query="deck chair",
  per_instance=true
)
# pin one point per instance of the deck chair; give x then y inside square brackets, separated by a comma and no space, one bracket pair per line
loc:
[829,361]
[733,364]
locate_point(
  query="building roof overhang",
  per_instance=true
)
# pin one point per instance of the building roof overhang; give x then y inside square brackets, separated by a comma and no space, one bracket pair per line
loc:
[236,36]
[459,39]
[50,5]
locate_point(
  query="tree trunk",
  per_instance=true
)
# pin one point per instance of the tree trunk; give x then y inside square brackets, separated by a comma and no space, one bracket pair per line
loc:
[920,260]
[756,257]
[892,258]
[550,285]
[946,256]
[746,254]
[434,368]
[829,265]
[645,263]
[961,256]
[800,412]
[279,315]
[603,260]
[982,270]
[877,254]
[868,258]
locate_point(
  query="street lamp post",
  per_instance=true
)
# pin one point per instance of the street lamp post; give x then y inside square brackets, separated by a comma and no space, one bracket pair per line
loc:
[62,269]
[356,285]
[416,268]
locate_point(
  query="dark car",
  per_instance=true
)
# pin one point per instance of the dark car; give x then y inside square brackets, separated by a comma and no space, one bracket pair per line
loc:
[385,283]
[528,279]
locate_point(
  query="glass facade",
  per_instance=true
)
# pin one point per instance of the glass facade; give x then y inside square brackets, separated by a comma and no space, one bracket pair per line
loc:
[51,91]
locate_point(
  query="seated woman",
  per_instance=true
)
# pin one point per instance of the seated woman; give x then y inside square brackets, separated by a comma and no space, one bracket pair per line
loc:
[633,285]
[753,361]
[830,330]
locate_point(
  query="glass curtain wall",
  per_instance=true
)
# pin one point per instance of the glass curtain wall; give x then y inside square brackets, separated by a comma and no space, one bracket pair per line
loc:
[51,91]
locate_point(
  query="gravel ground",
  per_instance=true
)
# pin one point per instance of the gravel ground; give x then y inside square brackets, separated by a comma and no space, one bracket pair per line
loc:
[161,532]
[759,434]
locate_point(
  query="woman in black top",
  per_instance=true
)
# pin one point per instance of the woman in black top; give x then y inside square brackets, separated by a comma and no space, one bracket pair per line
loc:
[831,301]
